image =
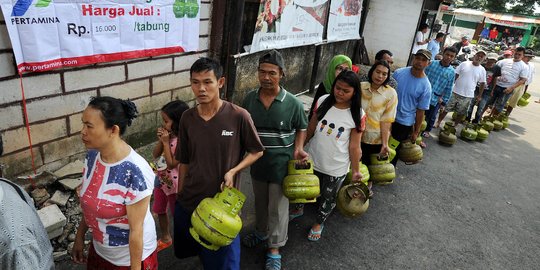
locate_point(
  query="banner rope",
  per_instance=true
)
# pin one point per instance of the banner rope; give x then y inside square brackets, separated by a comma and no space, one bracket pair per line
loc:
[27,124]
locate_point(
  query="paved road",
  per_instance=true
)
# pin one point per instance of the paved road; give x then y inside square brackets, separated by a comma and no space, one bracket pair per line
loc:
[470,206]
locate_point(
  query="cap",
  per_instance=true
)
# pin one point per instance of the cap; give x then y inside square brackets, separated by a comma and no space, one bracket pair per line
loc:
[465,37]
[481,51]
[273,57]
[425,53]
[508,52]
[492,56]
[529,53]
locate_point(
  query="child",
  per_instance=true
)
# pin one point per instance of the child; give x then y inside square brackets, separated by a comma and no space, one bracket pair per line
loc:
[165,195]
[334,146]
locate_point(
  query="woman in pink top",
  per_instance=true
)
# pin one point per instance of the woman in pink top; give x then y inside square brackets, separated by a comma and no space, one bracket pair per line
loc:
[165,194]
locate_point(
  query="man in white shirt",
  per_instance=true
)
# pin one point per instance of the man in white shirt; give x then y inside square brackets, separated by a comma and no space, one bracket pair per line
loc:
[420,42]
[512,102]
[468,75]
[514,72]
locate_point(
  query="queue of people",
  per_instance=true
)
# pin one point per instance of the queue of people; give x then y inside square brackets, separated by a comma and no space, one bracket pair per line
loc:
[204,148]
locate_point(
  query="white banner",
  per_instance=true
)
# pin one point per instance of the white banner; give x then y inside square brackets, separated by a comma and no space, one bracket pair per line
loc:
[344,20]
[288,23]
[48,34]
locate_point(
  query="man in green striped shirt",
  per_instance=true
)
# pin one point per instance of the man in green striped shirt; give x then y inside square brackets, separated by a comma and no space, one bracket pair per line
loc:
[281,124]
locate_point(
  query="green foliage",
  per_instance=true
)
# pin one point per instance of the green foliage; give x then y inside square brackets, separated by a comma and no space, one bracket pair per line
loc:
[523,7]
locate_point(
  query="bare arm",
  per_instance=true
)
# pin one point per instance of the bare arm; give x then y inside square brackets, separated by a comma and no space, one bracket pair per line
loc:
[183,170]
[168,155]
[299,140]
[136,213]
[312,125]
[385,136]
[518,83]
[480,91]
[355,153]
[77,253]
[248,159]
[417,124]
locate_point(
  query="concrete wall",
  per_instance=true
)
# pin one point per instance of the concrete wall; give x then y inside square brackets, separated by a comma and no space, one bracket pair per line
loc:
[392,25]
[56,99]
[299,62]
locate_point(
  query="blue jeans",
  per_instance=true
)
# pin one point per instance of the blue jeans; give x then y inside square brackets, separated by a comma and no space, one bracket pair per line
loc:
[500,98]
[431,116]
[486,100]
[225,258]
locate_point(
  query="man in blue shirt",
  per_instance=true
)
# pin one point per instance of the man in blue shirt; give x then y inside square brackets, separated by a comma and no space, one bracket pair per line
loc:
[441,75]
[434,46]
[414,94]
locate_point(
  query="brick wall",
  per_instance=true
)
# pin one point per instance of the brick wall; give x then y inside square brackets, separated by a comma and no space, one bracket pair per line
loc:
[56,99]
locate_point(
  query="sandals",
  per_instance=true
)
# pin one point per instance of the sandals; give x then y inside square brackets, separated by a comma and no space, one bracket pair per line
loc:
[426,134]
[296,212]
[315,235]
[253,239]
[273,261]
[423,144]
[163,245]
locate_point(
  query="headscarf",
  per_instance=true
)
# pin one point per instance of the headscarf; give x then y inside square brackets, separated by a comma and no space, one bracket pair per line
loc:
[331,71]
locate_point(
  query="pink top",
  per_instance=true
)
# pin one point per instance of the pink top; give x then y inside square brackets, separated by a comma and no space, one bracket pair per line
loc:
[169,177]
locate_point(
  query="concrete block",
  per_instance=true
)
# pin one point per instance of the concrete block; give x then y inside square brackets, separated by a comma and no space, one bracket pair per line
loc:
[71,168]
[60,198]
[184,94]
[129,90]
[11,116]
[40,195]
[7,65]
[20,162]
[35,86]
[63,105]
[71,183]
[151,103]
[62,148]
[75,123]
[204,28]
[204,42]
[184,62]
[171,81]
[149,68]
[206,10]
[93,77]
[18,138]
[53,220]
[5,42]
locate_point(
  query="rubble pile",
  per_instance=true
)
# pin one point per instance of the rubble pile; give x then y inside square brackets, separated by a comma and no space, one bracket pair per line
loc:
[56,199]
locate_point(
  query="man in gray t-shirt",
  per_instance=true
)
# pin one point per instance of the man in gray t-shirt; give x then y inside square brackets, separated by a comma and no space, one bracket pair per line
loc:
[24,243]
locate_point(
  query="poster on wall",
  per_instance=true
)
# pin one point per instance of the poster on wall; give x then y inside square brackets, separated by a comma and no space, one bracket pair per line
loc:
[288,23]
[49,34]
[344,20]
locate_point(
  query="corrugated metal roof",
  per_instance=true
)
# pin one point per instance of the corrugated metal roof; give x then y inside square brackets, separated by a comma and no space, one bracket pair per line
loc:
[496,16]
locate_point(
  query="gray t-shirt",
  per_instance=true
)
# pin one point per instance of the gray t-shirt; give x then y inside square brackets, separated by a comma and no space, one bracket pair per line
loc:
[24,243]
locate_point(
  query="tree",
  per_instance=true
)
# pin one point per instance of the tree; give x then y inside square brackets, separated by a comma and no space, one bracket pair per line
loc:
[524,7]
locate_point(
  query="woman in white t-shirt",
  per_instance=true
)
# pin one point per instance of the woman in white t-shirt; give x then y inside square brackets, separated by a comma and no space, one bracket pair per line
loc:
[333,141]
[115,194]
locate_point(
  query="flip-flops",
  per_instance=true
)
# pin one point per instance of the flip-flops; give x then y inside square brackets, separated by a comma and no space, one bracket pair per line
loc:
[312,234]
[423,144]
[296,212]
[426,134]
[253,239]
[163,245]
[273,261]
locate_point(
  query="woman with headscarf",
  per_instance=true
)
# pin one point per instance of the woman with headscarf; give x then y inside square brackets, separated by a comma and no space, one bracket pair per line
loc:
[338,64]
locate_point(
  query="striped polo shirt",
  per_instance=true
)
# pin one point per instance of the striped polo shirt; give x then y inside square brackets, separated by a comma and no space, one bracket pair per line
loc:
[379,106]
[277,128]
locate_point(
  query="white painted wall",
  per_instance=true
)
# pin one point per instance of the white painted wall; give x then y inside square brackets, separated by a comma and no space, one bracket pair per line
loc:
[391,25]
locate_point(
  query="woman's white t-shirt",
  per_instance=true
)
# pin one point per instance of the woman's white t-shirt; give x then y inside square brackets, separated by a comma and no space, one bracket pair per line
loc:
[106,191]
[329,146]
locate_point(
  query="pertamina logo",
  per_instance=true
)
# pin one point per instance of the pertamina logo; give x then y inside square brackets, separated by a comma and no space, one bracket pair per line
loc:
[21,6]
[227,133]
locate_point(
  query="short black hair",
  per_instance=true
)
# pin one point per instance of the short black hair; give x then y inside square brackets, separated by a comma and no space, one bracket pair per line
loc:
[205,64]
[115,112]
[381,53]
[450,49]
[372,69]
[423,26]
[439,35]
[520,49]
